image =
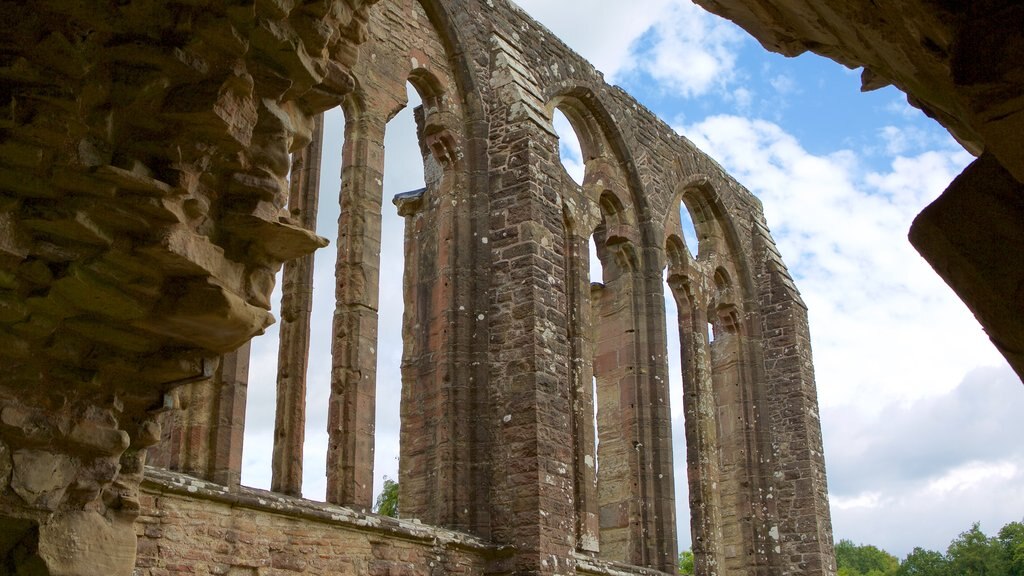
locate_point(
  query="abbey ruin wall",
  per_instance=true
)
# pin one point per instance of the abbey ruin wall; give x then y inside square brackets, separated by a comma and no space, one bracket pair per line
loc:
[139,252]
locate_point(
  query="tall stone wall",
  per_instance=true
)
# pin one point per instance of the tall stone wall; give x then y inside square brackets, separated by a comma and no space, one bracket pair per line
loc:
[508,347]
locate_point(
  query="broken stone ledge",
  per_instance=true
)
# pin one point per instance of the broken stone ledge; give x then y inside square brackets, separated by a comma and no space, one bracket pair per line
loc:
[159,481]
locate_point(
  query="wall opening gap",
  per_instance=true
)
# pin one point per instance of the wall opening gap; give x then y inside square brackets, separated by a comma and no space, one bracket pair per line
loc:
[318,374]
[569,151]
[261,401]
[689,231]
[675,320]
[403,172]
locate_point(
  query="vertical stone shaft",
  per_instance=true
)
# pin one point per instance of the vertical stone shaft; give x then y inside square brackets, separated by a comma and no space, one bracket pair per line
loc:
[635,477]
[619,445]
[581,346]
[737,472]
[228,430]
[415,441]
[204,438]
[701,436]
[350,424]
[437,436]
[296,309]
[659,495]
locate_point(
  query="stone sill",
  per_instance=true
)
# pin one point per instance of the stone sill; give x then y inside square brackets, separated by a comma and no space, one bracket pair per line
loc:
[161,481]
[589,565]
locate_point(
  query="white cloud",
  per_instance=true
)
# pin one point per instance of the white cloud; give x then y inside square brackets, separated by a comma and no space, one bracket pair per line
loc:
[689,52]
[682,47]
[601,30]
[883,324]
[971,476]
[783,84]
[864,500]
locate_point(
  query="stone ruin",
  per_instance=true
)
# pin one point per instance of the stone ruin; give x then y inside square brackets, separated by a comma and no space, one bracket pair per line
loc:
[159,163]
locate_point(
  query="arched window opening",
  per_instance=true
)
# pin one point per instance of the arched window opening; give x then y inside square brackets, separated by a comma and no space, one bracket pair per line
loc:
[569,150]
[318,379]
[689,231]
[596,278]
[404,172]
[674,317]
[596,269]
[258,439]
[678,316]
[289,373]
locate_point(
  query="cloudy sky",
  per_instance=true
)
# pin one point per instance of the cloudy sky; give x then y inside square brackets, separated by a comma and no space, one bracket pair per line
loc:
[921,416]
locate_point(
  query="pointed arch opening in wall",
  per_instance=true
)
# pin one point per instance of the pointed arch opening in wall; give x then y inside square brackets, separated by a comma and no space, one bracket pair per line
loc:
[689,231]
[679,313]
[624,497]
[273,369]
[569,151]
[403,176]
[720,396]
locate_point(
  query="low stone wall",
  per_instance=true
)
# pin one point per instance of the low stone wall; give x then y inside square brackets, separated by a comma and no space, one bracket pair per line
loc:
[188,526]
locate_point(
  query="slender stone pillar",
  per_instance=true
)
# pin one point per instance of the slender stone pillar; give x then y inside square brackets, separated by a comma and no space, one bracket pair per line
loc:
[296,309]
[635,450]
[354,341]
[204,437]
[618,449]
[581,346]
[228,430]
[701,433]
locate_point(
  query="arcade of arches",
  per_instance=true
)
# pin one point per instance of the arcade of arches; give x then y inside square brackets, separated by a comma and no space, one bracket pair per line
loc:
[161,163]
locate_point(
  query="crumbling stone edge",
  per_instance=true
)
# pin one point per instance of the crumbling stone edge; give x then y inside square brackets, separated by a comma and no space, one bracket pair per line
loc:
[165,481]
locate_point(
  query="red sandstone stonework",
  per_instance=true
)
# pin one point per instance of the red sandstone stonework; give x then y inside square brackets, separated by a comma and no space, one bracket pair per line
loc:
[115,324]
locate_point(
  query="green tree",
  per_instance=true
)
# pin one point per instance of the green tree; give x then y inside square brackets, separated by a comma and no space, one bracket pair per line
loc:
[923,562]
[686,563]
[974,554]
[864,560]
[387,500]
[1011,540]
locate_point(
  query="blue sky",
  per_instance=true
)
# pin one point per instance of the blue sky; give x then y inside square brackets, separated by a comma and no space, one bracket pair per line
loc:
[920,414]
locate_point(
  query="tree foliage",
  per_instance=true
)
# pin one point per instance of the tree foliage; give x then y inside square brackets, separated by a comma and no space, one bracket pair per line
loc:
[387,500]
[1011,540]
[686,563]
[923,562]
[972,553]
[864,560]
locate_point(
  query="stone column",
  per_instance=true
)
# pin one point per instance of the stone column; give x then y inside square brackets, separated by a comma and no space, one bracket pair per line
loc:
[619,447]
[354,346]
[532,481]
[701,433]
[296,309]
[228,430]
[635,450]
[581,345]
[204,437]
[659,497]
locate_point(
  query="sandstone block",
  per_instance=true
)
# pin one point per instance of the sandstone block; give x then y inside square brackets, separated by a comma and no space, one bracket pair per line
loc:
[87,544]
[41,478]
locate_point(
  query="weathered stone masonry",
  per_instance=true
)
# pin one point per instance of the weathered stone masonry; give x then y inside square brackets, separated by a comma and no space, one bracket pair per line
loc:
[161,161]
